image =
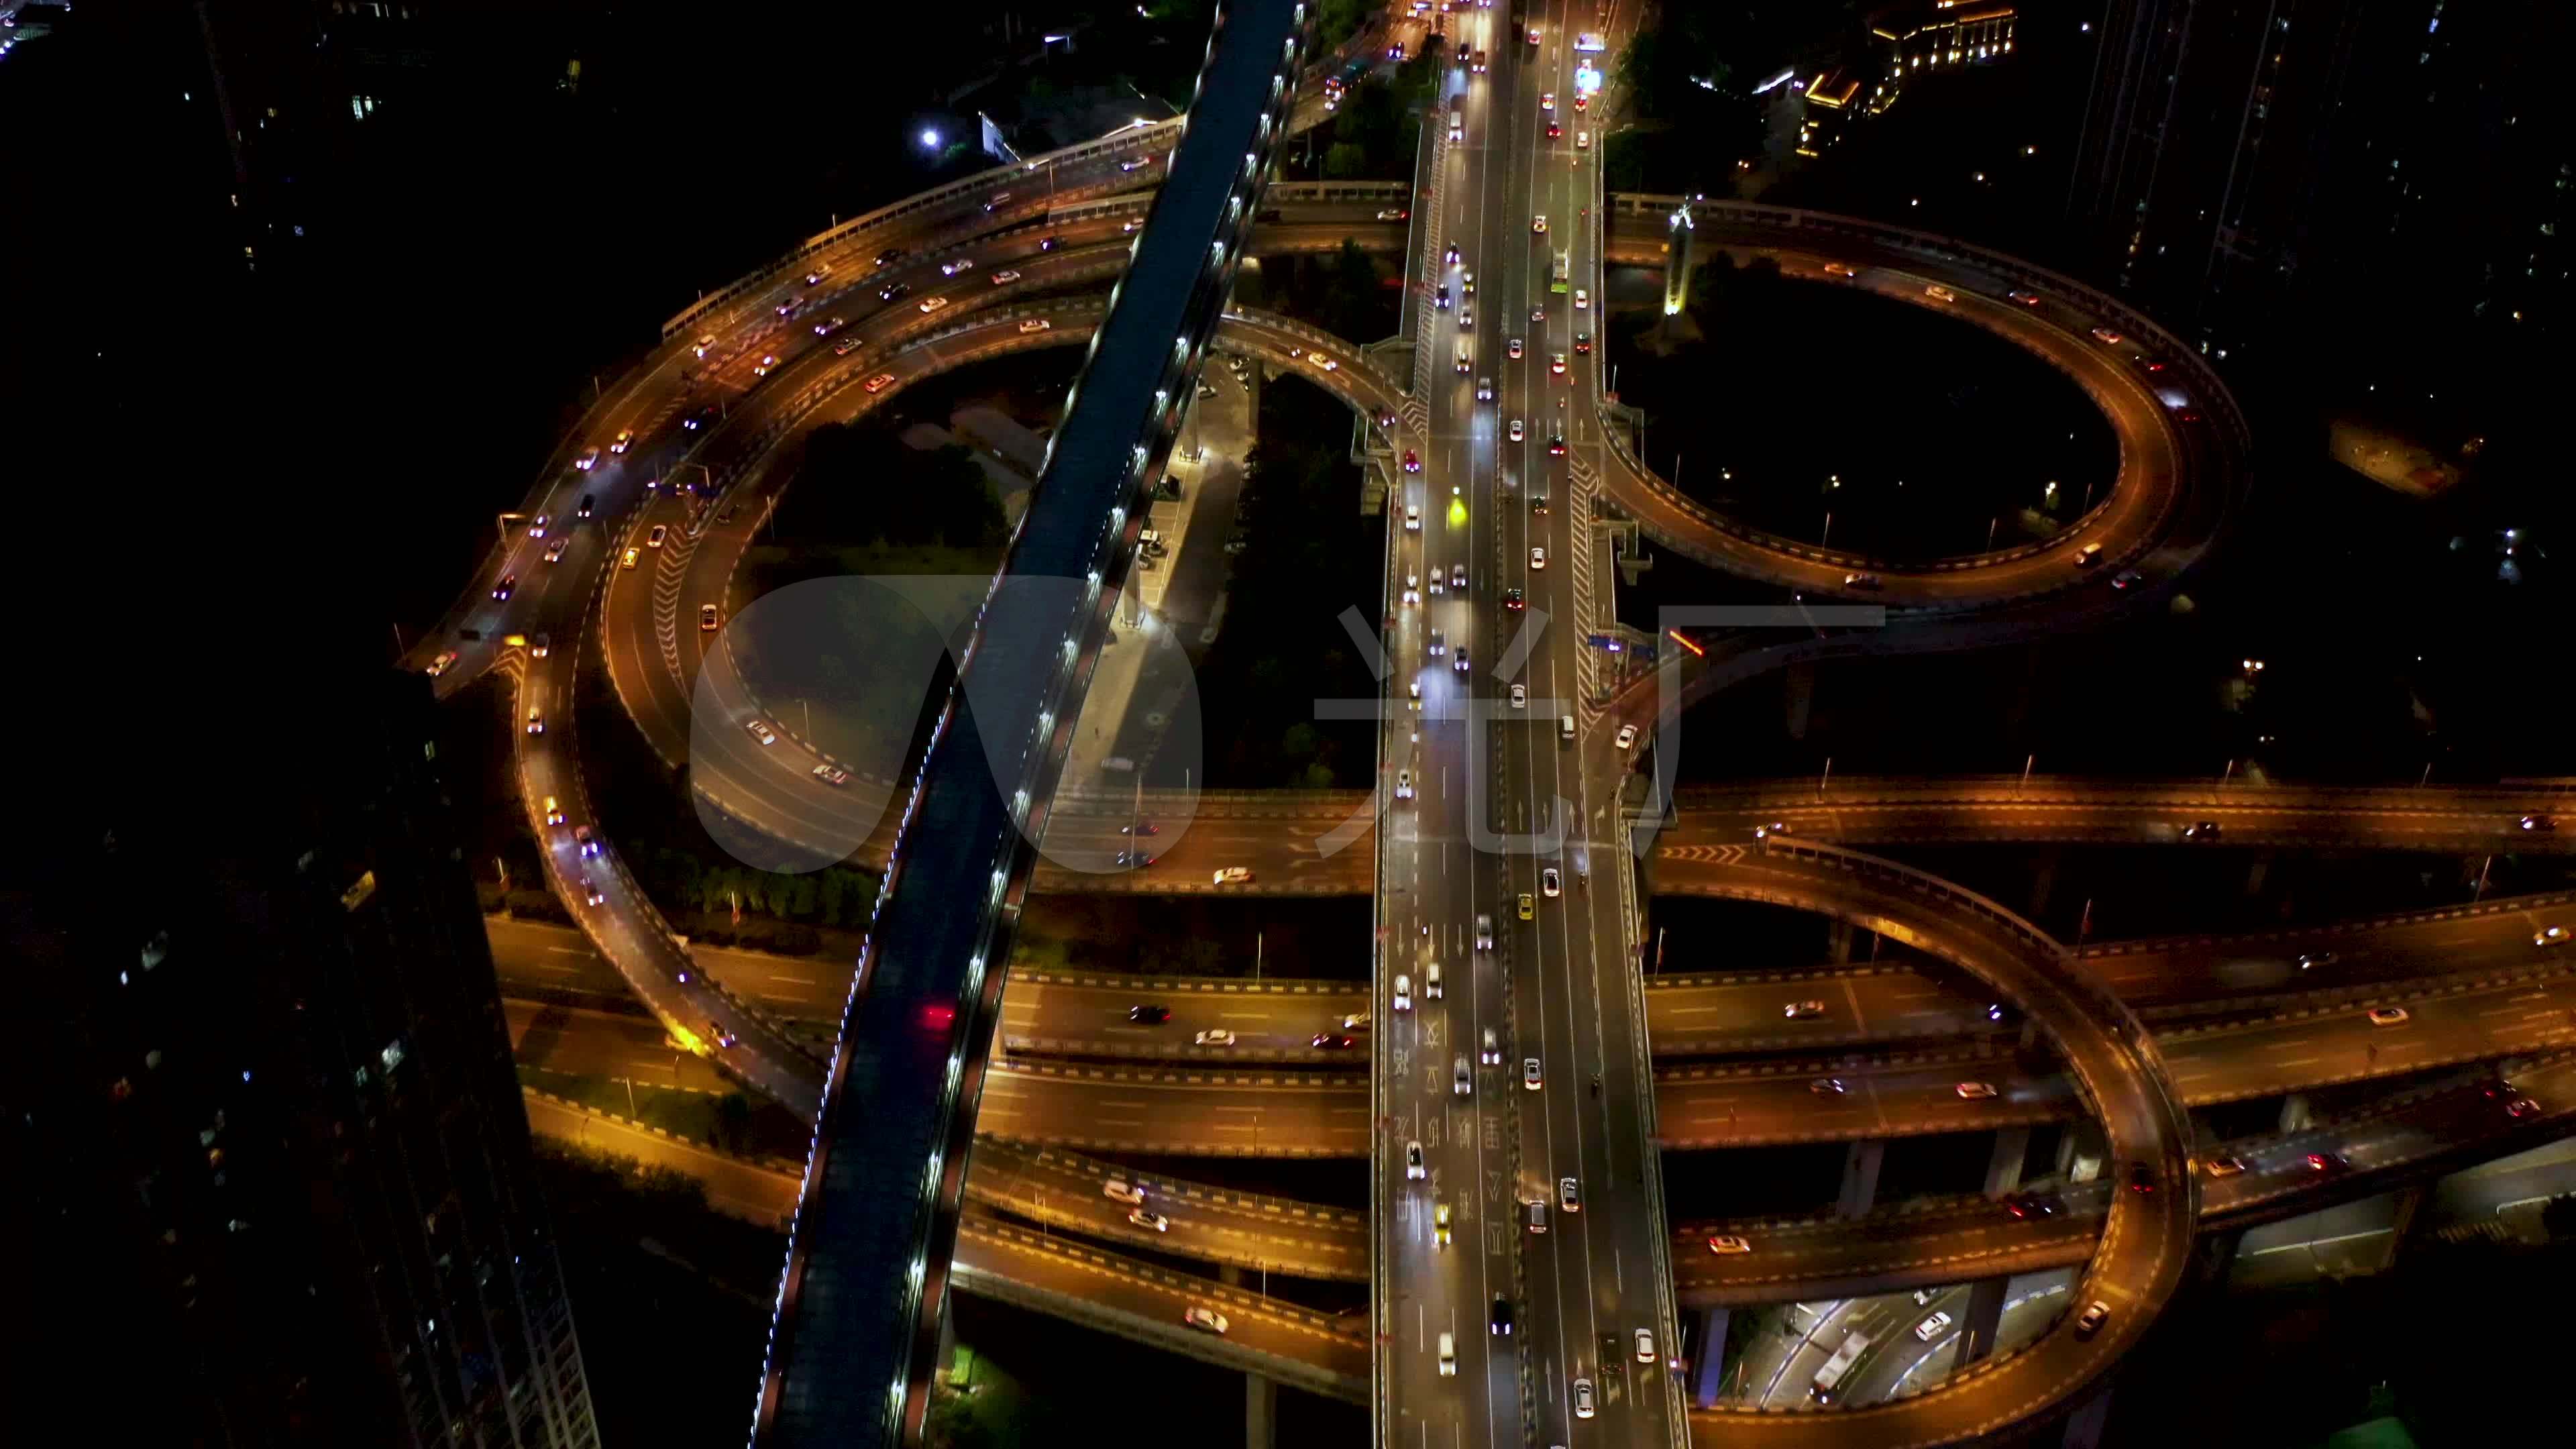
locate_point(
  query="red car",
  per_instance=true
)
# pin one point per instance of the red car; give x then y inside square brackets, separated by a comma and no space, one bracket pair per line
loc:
[1412,464]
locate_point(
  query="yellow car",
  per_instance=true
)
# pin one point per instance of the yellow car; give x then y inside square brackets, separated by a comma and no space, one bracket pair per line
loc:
[632,555]
[1440,1224]
[1529,908]
[554,812]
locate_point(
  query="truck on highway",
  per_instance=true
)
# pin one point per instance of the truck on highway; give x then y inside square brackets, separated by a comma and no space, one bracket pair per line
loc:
[1557,270]
[1830,1377]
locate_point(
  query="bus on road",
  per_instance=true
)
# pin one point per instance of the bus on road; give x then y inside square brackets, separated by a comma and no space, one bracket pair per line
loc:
[1830,1376]
[1556,272]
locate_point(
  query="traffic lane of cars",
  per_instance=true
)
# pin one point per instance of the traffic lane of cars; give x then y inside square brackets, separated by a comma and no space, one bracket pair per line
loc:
[1166,1215]
[1191,1021]
[1185,1112]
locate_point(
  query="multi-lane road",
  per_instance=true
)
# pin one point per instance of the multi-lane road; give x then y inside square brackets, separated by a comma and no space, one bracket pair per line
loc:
[1561,984]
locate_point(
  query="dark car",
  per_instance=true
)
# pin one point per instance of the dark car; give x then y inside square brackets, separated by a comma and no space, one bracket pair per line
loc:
[1501,1320]
[1146,828]
[2028,1205]
[891,255]
[509,584]
[1514,599]
[2201,830]
[583,511]
[892,291]
[1135,858]
[704,417]
[2142,1177]
[1334,1041]
[1149,1014]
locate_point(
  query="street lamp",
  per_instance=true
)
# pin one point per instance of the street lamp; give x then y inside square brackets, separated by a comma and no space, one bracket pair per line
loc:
[930,138]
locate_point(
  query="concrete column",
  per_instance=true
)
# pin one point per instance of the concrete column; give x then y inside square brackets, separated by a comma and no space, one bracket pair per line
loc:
[1838,941]
[1799,691]
[2042,881]
[2406,1209]
[2003,1171]
[1983,1320]
[2081,1151]
[2084,1427]
[1860,1178]
[2214,1254]
[2255,873]
[947,1337]
[1679,262]
[1260,1412]
[2296,1114]
[1230,1274]
[1710,1371]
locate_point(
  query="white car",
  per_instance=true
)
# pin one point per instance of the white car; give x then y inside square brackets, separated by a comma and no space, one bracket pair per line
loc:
[1627,736]
[950,269]
[1404,784]
[1413,518]
[1006,276]
[761,731]
[1234,875]
[1583,1398]
[1538,557]
[1930,1328]
[933,304]
[1515,429]
[1207,1318]
[1514,348]
[1520,695]
[1402,998]
[1550,884]
[1582,299]
[1645,1346]
[1538,224]
[1414,1171]
[1462,1078]
[1484,933]
[1530,1078]
[1569,1195]
[1977,1091]
[2388,1016]
[1492,1053]
[1116,1190]
[1214,1036]
[1150,1220]
[1036,324]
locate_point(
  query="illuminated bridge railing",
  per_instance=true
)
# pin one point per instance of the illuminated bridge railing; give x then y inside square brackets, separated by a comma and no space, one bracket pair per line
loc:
[854,1343]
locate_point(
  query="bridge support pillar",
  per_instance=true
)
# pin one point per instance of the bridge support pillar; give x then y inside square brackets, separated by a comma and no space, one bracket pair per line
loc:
[2080,1152]
[1260,1412]
[2084,1427]
[1230,1274]
[1838,941]
[2214,1255]
[2042,882]
[947,1337]
[1708,1374]
[2405,1206]
[1985,1317]
[1860,1178]
[2255,873]
[1799,690]
[2003,1171]
[2296,1114]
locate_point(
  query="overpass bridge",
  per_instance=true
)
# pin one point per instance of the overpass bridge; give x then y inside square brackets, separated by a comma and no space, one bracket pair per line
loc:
[905,1081]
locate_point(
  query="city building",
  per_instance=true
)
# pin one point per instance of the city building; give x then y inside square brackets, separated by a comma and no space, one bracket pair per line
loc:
[2237,166]
[271,1173]
[1907,44]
